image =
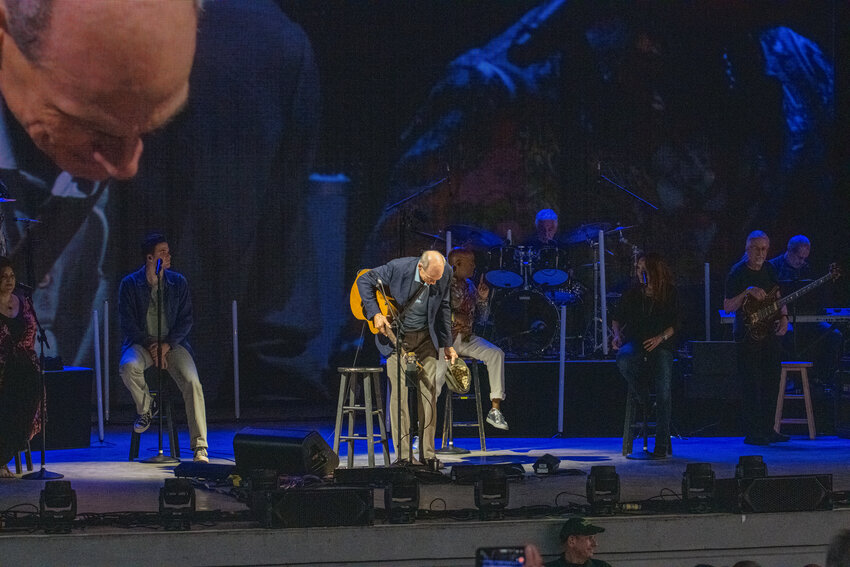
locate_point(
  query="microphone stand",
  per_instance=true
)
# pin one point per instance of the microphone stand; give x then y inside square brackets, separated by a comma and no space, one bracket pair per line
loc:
[160,457]
[43,473]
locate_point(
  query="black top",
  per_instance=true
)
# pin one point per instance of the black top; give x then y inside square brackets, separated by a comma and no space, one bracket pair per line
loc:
[740,278]
[642,317]
[16,325]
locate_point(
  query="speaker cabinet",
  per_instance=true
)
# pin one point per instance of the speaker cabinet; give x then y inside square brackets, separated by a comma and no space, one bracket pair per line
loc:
[314,507]
[715,366]
[69,406]
[803,493]
[287,451]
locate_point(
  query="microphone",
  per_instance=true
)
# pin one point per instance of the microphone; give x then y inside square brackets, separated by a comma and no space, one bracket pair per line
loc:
[643,274]
[158,265]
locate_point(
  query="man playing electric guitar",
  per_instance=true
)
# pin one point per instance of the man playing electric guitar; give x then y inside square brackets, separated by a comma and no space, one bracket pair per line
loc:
[759,363]
[421,286]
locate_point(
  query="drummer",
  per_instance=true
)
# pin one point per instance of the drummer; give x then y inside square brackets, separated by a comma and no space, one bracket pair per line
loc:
[546,226]
[470,304]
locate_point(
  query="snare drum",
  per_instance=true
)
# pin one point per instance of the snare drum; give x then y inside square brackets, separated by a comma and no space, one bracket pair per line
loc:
[551,266]
[504,267]
[525,322]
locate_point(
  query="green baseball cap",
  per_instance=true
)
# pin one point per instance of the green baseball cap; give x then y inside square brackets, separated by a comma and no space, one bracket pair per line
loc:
[579,526]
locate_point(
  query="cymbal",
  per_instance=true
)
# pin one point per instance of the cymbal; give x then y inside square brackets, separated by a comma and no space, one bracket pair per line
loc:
[429,235]
[584,233]
[619,228]
[463,235]
[6,200]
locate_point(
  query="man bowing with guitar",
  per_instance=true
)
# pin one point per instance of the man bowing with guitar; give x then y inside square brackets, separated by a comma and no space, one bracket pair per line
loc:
[752,289]
[421,288]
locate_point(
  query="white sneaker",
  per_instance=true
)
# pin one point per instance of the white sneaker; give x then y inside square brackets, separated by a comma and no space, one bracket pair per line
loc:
[496,419]
[201,455]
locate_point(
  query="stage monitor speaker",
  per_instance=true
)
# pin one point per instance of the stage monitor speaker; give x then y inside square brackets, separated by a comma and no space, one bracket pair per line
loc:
[314,507]
[287,451]
[803,493]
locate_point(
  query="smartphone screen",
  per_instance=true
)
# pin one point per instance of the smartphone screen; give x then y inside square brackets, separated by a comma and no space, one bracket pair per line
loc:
[500,557]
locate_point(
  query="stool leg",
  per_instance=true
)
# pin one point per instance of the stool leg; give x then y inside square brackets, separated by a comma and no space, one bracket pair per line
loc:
[134,445]
[340,402]
[367,410]
[627,426]
[28,456]
[807,398]
[780,401]
[447,420]
[18,469]
[481,439]
[351,401]
[379,411]
[173,439]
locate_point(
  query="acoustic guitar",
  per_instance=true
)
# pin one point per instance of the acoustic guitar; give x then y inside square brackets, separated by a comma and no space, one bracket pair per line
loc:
[760,315]
[386,304]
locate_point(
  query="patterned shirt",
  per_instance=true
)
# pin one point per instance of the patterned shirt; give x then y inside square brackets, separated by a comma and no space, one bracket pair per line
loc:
[464,302]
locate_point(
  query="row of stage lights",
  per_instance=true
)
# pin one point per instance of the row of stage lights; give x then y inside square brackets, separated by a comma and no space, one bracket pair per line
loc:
[701,492]
[57,506]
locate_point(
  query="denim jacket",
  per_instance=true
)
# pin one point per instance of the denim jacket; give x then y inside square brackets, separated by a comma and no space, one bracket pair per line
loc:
[134,295]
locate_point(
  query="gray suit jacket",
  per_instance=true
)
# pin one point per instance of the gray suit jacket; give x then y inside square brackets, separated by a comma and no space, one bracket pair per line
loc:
[398,279]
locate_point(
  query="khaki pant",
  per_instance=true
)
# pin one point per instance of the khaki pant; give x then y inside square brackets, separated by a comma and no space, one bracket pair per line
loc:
[136,359]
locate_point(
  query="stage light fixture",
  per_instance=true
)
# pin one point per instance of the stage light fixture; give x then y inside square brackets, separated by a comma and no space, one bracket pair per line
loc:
[401,499]
[750,466]
[57,506]
[492,495]
[547,464]
[698,488]
[603,489]
[177,504]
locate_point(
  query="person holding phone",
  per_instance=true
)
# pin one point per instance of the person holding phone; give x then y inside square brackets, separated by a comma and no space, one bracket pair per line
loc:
[578,540]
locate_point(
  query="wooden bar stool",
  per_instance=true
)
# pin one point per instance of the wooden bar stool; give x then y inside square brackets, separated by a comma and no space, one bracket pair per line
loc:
[448,416]
[371,380]
[802,369]
[26,454]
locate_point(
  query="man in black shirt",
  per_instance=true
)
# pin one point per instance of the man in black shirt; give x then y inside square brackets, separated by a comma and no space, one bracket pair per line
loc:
[820,342]
[752,279]
[578,539]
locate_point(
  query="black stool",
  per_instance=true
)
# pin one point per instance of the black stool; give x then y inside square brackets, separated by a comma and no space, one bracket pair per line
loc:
[634,426]
[165,405]
[27,454]
[449,423]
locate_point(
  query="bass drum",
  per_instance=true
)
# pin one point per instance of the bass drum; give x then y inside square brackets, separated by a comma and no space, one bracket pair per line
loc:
[525,323]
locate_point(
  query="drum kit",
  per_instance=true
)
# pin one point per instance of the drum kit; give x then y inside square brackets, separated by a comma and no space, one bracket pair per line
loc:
[530,284]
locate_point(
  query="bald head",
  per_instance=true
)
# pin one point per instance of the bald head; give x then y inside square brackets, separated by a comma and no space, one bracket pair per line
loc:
[87,79]
[431,266]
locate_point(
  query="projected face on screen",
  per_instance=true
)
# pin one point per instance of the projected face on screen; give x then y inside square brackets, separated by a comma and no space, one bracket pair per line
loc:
[96,78]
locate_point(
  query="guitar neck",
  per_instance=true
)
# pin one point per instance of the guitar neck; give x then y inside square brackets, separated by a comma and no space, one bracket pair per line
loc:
[802,291]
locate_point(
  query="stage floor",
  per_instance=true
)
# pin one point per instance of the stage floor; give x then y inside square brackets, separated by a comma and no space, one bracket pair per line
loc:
[106,482]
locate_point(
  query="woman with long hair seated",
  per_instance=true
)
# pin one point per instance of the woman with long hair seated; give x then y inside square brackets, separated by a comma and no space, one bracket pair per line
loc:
[20,387]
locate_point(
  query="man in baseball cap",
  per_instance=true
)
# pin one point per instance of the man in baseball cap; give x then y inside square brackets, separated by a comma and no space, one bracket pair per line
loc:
[578,540]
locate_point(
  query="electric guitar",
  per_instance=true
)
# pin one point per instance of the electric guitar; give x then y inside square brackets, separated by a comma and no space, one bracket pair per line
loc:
[760,315]
[386,304]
